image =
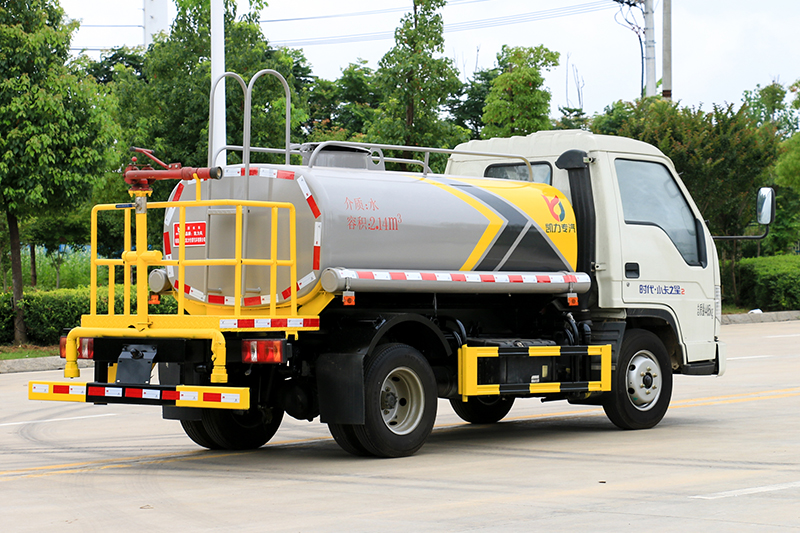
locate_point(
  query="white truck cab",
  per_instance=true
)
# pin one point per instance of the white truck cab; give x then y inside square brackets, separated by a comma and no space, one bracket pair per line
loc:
[653,258]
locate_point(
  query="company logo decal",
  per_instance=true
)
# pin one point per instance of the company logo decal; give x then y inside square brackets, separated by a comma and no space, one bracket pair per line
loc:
[556,208]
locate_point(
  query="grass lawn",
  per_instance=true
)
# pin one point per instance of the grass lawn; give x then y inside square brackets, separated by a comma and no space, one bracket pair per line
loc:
[26,351]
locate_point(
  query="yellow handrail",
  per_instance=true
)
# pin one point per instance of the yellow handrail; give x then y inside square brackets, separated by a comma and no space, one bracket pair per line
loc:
[142,260]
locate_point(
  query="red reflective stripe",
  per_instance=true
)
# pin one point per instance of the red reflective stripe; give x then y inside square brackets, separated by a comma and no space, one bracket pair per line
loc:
[458,277]
[178,192]
[285,175]
[315,266]
[279,323]
[215,299]
[569,278]
[397,276]
[170,395]
[133,393]
[362,274]
[487,278]
[428,276]
[313,205]
[311,322]
[97,391]
[186,288]
[212,397]
[60,389]
[167,248]
[543,279]
[247,323]
[515,278]
[253,300]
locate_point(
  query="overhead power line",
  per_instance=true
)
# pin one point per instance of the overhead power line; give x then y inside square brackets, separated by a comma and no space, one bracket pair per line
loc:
[521,18]
[362,13]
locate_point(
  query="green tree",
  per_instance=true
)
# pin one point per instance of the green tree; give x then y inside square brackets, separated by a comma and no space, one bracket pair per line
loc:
[415,82]
[572,118]
[787,169]
[613,117]
[467,107]
[342,109]
[166,109]
[103,70]
[768,105]
[518,103]
[55,128]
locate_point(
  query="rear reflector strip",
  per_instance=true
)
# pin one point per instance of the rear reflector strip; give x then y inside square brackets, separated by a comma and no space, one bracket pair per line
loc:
[181,395]
[269,323]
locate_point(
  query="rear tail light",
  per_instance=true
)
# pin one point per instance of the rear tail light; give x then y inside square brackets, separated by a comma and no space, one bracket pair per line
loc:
[85,348]
[263,351]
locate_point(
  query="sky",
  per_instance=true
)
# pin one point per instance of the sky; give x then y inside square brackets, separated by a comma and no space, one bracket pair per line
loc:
[720,48]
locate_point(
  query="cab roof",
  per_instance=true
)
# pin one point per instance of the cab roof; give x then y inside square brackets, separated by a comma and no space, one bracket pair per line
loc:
[553,143]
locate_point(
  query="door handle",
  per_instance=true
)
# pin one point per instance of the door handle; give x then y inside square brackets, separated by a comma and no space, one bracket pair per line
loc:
[632,270]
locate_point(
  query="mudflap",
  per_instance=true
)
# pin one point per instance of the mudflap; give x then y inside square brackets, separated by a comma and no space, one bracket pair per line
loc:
[340,384]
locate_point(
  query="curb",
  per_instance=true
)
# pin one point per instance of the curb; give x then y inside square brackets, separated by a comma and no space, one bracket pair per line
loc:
[37,364]
[56,363]
[758,318]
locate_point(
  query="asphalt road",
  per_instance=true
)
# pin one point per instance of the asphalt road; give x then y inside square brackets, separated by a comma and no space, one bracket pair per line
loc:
[725,458]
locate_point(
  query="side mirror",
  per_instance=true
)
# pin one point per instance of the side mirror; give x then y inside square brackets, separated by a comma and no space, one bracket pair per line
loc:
[765,215]
[765,206]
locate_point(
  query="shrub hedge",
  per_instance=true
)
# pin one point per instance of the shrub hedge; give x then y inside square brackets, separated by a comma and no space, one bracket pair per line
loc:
[47,313]
[770,283]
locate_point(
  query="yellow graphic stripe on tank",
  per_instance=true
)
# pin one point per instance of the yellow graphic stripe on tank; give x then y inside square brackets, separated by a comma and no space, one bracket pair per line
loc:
[532,198]
[489,234]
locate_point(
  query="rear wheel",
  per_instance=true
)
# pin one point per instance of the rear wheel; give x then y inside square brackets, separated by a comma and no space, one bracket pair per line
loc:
[400,398]
[195,430]
[482,409]
[241,430]
[642,384]
[345,437]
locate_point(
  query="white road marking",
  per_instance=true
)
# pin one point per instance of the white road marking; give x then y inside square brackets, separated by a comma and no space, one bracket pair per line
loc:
[743,492]
[55,420]
[781,336]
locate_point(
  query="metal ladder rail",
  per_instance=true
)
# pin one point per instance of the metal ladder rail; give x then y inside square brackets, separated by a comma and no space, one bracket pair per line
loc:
[245,148]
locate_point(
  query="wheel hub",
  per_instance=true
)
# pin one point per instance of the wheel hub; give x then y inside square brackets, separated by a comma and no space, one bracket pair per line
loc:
[402,400]
[644,380]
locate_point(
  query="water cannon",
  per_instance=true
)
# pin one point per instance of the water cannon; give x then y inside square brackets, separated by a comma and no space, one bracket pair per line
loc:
[141,176]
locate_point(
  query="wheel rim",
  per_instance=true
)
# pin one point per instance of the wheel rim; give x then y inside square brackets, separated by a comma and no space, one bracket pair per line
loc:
[402,401]
[644,381]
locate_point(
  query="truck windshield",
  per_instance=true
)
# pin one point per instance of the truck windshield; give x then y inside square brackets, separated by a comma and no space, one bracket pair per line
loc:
[650,196]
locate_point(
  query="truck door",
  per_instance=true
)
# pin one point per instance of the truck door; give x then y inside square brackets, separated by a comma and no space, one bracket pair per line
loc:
[665,250]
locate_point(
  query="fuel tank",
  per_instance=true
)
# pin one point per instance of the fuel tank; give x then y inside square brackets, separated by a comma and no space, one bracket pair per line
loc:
[350,218]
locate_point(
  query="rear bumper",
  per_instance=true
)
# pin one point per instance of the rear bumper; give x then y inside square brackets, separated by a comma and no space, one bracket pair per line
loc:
[211,397]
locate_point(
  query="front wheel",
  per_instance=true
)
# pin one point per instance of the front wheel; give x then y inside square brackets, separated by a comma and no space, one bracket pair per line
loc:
[642,384]
[400,401]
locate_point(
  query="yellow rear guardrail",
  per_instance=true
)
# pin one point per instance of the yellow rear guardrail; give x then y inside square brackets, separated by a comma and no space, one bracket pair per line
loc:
[142,325]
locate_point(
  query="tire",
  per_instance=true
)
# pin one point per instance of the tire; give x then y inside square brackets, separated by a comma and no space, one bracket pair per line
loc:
[195,430]
[345,437]
[642,383]
[400,400]
[237,430]
[482,409]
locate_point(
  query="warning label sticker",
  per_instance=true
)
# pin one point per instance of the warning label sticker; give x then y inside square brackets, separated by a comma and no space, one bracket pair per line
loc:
[195,234]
